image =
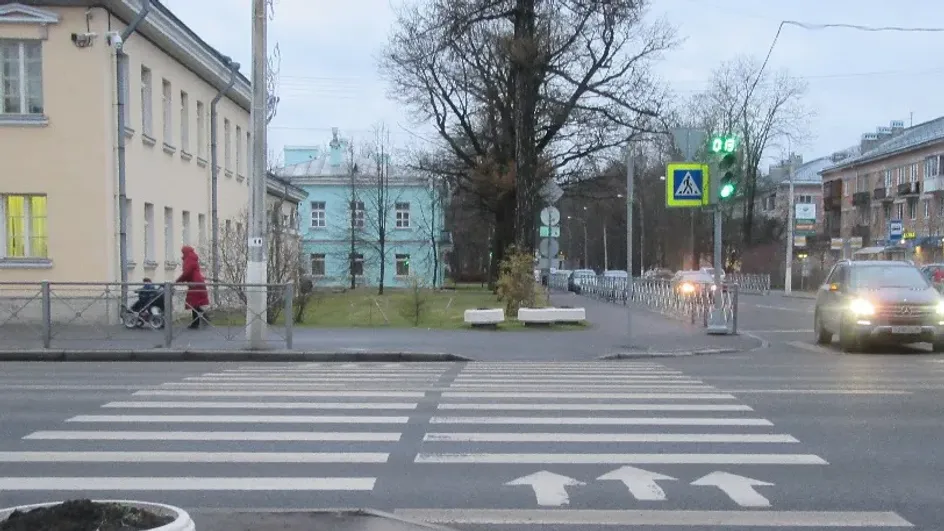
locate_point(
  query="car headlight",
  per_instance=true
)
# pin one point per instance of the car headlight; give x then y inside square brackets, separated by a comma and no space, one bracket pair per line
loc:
[862,307]
[688,288]
[940,308]
[714,287]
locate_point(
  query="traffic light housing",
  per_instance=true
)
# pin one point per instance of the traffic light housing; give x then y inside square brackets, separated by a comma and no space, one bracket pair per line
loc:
[725,147]
[727,178]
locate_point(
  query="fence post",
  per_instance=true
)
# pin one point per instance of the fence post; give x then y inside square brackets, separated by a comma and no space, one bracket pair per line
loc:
[289,310]
[734,320]
[46,303]
[168,314]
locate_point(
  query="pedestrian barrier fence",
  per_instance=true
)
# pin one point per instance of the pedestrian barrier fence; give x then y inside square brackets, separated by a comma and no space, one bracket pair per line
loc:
[100,316]
[754,283]
[659,295]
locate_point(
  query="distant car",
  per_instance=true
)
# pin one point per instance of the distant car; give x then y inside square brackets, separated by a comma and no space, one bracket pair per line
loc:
[710,271]
[658,274]
[870,300]
[691,283]
[579,278]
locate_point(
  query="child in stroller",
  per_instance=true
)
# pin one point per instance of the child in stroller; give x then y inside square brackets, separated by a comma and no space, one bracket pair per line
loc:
[148,296]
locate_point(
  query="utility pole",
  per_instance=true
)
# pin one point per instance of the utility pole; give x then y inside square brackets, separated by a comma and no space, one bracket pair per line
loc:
[788,270]
[606,253]
[256,267]
[630,192]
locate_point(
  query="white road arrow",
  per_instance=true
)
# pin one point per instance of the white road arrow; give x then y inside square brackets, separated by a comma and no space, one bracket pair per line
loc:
[641,483]
[549,488]
[739,488]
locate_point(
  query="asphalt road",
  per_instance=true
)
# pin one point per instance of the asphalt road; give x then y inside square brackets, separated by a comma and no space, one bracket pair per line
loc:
[788,439]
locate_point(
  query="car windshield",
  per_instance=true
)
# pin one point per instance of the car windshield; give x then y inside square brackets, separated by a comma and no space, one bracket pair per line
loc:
[696,276]
[584,273]
[872,277]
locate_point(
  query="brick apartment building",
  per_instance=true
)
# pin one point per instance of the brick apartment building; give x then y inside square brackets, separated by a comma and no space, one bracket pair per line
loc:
[898,175]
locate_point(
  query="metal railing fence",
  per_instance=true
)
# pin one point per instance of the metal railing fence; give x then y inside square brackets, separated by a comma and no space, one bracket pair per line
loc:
[93,316]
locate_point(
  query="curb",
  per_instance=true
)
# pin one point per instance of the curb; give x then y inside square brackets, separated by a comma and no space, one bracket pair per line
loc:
[373,513]
[276,356]
[671,354]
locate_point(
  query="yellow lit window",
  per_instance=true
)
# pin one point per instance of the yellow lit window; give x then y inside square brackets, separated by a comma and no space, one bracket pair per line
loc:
[24,217]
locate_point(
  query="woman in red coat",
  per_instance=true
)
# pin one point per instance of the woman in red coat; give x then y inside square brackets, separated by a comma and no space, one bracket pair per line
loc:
[197,297]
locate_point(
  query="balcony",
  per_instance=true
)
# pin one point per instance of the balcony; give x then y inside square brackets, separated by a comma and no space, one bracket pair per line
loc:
[934,184]
[445,239]
[861,199]
[881,194]
[909,189]
[832,202]
[862,231]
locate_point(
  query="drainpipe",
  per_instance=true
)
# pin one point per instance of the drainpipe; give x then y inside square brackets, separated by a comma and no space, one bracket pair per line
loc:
[121,64]
[214,180]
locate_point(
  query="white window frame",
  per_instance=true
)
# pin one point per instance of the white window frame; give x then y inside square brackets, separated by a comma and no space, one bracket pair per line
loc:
[149,248]
[201,231]
[129,229]
[239,150]
[912,210]
[402,214]
[913,172]
[168,234]
[888,179]
[358,213]
[167,106]
[27,227]
[927,209]
[29,82]
[227,148]
[201,130]
[184,122]
[318,257]
[900,211]
[402,260]
[185,228]
[147,103]
[319,214]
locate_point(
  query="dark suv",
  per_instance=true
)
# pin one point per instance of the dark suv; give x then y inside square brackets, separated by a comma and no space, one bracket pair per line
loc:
[865,301]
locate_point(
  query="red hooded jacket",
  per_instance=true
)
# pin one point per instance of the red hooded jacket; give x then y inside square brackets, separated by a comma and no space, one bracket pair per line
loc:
[196,293]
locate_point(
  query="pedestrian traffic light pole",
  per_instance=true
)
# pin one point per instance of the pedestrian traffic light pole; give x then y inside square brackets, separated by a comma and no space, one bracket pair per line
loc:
[256,267]
[722,187]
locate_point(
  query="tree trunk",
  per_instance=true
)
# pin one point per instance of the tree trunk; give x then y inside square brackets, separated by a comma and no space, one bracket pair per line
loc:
[502,237]
[524,75]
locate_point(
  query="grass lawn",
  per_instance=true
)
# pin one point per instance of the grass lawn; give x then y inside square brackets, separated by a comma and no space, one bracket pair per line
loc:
[363,308]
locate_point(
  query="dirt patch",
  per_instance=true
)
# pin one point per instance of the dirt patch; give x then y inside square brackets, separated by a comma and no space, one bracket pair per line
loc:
[84,515]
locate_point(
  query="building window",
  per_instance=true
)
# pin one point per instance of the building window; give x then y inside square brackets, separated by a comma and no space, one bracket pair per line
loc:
[167,102]
[357,214]
[912,210]
[201,130]
[146,110]
[318,215]
[248,154]
[168,234]
[21,77]
[24,226]
[403,215]
[227,153]
[129,230]
[913,172]
[185,228]
[184,122]
[201,231]
[888,178]
[239,150]
[357,264]
[318,265]
[804,199]
[227,228]
[900,211]
[927,209]
[239,228]
[148,232]
[403,265]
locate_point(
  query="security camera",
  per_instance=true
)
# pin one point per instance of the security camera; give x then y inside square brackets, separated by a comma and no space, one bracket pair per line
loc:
[114,39]
[83,40]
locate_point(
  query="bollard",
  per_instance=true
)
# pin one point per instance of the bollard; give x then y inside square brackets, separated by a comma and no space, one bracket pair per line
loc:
[168,314]
[46,301]
[289,310]
[734,318]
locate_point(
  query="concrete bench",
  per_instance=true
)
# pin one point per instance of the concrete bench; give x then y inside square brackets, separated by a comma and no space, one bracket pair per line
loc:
[551,315]
[482,318]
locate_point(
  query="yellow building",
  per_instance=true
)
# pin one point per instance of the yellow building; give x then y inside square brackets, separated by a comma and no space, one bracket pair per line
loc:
[58,143]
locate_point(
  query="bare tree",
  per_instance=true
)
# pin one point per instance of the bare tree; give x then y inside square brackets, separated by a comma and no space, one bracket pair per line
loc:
[380,200]
[523,90]
[354,232]
[431,214]
[763,110]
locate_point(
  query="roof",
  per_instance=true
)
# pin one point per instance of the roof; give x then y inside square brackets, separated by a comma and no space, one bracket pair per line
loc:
[909,139]
[276,185]
[808,173]
[320,170]
[163,29]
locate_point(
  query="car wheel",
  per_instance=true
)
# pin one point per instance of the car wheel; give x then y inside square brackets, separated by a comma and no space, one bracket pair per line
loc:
[848,341]
[823,336]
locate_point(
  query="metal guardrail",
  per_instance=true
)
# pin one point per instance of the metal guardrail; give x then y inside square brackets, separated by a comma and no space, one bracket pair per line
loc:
[659,296]
[91,316]
[753,283]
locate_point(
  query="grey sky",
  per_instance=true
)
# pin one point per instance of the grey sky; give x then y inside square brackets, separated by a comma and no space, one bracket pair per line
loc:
[857,80]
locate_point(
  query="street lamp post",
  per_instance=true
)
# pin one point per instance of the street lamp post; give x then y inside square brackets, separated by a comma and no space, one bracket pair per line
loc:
[584,223]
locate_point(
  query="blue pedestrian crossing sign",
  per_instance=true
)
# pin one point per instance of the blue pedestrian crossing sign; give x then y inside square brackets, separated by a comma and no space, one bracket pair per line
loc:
[686,184]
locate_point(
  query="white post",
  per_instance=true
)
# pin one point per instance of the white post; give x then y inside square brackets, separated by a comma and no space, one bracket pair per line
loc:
[788,271]
[256,267]
[606,254]
[630,191]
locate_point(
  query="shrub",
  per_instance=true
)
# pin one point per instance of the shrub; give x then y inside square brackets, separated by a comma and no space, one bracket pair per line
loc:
[516,280]
[414,307]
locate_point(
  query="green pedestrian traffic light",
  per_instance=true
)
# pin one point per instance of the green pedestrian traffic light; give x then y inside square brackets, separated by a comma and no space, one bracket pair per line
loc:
[728,178]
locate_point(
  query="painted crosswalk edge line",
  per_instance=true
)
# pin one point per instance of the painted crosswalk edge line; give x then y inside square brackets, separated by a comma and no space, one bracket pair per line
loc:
[242,419]
[607,396]
[192,457]
[259,405]
[609,421]
[593,407]
[185,484]
[621,459]
[612,437]
[699,519]
[239,436]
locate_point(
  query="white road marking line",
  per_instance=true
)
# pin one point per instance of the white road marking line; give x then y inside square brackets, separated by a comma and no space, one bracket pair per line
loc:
[611,437]
[260,405]
[610,421]
[607,396]
[820,391]
[784,308]
[240,419]
[193,457]
[569,378]
[185,484]
[621,459]
[336,394]
[697,519]
[240,436]
[275,385]
[290,379]
[595,407]
[576,387]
